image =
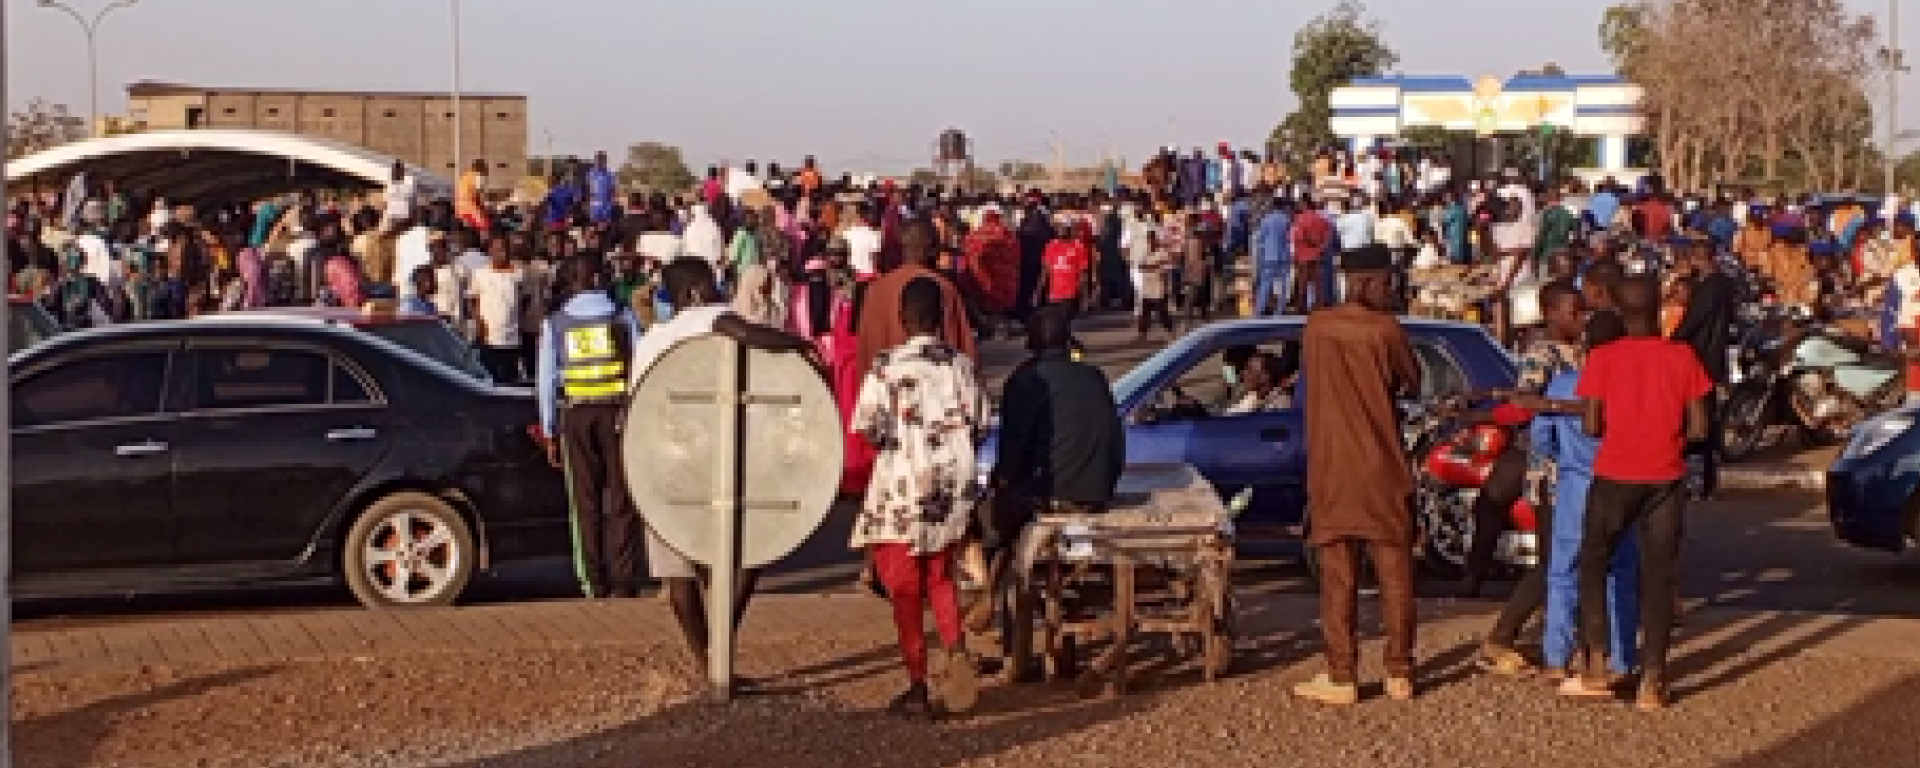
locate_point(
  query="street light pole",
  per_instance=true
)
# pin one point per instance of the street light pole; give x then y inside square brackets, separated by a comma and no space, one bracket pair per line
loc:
[459,120]
[1895,66]
[91,28]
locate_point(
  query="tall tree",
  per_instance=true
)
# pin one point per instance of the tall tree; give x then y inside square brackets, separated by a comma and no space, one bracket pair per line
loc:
[42,125]
[654,166]
[1738,88]
[1329,52]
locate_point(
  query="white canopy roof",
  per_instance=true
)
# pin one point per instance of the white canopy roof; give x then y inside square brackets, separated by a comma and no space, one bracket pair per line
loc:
[215,163]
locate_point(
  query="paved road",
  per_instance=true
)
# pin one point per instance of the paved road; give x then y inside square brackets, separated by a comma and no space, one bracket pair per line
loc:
[1756,549]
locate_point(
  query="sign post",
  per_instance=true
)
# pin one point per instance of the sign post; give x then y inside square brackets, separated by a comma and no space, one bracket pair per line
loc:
[724,562]
[733,457]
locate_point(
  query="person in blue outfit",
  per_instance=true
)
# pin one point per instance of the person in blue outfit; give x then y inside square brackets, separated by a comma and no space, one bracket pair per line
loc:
[1273,257]
[1565,441]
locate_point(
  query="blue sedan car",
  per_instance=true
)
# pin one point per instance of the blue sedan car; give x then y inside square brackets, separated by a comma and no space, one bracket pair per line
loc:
[1259,459]
[1873,488]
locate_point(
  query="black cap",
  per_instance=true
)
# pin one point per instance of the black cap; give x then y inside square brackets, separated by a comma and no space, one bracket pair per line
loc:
[1369,258]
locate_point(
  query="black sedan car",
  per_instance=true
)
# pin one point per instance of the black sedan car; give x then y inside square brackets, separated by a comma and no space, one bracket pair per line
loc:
[178,455]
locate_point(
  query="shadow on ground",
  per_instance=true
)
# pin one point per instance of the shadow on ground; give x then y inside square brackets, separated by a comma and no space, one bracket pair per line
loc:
[55,735]
[800,732]
[1878,731]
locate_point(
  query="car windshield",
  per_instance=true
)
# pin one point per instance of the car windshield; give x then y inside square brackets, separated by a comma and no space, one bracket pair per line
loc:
[28,325]
[435,340]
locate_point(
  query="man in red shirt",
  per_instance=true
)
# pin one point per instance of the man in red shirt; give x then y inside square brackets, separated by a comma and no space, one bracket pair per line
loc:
[1311,234]
[1066,261]
[1645,400]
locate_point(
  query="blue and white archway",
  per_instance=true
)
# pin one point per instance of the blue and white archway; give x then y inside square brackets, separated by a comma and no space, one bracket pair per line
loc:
[214,164]
[1603,106]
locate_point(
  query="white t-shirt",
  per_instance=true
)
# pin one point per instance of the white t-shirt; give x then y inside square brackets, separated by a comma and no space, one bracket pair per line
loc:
[410,253]
[450,295]
[863,248]
[99,260]
[474,261]
[400,199]
[496,294]
[1393,232]
[660,337]
[660,247]
[1907,280]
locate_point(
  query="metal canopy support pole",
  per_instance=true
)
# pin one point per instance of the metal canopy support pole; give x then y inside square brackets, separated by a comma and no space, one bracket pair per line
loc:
[723,570]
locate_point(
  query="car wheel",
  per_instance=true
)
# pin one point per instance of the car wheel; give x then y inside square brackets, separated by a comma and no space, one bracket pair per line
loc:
[408,549]
[1446,523]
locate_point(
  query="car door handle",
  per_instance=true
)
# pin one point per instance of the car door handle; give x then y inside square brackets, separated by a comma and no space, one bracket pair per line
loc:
[1275,434]
[136,450]
[352,433]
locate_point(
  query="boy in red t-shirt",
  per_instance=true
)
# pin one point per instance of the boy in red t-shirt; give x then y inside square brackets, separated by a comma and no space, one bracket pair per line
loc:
[1645,401]
[1066,260]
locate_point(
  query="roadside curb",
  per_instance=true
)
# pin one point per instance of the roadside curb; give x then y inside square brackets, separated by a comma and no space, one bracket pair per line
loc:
[1766,477]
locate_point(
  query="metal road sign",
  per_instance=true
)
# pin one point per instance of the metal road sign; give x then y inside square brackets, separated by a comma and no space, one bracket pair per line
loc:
[733,457]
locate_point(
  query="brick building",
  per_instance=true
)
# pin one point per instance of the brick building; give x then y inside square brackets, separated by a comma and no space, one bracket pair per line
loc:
[413,126]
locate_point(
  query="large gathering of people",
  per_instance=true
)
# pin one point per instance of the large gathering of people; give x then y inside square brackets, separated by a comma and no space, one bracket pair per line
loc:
[1631,290]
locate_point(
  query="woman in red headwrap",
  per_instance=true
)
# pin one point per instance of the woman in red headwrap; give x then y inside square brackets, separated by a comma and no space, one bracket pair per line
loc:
[992,264]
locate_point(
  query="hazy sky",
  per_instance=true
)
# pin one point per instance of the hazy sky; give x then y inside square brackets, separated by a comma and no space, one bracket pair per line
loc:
[865,83]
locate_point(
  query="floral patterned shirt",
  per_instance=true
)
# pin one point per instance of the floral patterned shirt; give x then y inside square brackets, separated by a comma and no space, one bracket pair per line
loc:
[920,406]
[1544,360]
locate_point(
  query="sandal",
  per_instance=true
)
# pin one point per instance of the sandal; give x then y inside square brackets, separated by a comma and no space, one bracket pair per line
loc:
[1501,660]
[914,702]
[957,681]
[1324,690]
[1653,696]
[1581,687]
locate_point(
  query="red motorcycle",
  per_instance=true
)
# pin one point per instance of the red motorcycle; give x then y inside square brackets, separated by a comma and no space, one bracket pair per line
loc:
[1452,461]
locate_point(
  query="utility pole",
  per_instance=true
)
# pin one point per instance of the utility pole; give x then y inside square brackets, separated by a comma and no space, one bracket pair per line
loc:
[459,119]
[1059,163]
[90,28]
[1895,66]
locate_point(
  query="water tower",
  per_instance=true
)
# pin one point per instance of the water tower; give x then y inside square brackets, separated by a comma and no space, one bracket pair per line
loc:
[953,158]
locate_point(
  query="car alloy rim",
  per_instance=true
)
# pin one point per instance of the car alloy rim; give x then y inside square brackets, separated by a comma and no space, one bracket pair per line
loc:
[411,557]
[1446,516]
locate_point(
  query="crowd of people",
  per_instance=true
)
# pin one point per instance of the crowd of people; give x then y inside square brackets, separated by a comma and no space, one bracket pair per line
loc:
[892,287]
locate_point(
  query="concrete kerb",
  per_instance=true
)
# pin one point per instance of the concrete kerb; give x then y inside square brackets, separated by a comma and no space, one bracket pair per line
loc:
[1778,476]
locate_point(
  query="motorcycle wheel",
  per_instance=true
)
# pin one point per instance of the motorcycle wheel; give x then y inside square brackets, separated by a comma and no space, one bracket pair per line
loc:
[1445,516]
[1746,427]
[1818,428]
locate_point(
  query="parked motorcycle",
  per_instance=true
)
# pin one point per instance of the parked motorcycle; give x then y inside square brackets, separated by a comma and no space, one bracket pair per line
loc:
[1796,374]
[1452,461]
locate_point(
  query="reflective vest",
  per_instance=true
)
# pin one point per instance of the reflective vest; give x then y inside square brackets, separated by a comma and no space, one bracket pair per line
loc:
[594,352]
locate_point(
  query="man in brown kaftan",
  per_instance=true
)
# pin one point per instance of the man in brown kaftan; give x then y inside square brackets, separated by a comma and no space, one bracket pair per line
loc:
[1357,362]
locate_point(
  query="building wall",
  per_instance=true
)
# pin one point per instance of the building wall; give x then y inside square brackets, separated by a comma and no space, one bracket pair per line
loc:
[414,127]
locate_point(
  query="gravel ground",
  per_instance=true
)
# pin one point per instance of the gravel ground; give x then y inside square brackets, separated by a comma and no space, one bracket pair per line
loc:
[632,707]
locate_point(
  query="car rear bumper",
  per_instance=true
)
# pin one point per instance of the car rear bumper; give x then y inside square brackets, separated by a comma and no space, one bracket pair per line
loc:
[1868,507]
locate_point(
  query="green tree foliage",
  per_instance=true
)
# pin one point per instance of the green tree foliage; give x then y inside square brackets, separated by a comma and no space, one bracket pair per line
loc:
[655,167]
[1329,52]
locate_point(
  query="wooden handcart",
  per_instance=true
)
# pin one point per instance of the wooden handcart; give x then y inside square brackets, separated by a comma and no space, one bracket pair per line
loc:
[1158,566]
